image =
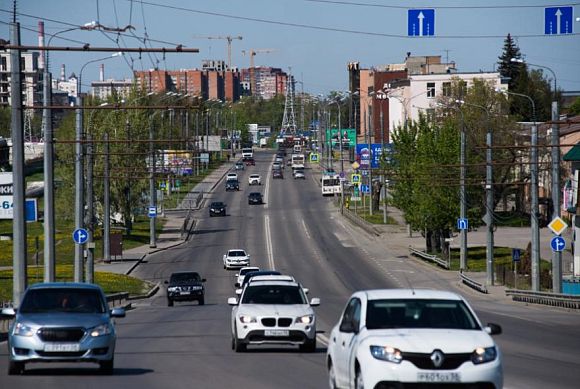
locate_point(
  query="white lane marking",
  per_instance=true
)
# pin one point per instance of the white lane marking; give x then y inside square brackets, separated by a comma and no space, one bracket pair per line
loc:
[267,190]
[323,339]
[306,229]
[269,243]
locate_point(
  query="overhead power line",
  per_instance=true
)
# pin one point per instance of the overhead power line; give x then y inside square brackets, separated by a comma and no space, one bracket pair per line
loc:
[374,5]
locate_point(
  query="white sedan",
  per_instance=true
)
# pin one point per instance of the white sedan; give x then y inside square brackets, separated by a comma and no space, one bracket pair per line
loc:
[255,179]
[242,273]
[390,337]
[236,258]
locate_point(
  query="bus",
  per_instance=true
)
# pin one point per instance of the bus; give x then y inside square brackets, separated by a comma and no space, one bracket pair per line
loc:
[298,161]
[330,184]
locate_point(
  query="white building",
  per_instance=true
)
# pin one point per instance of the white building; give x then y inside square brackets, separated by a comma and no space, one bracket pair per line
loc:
[422,93]
[32,92]
[104,89]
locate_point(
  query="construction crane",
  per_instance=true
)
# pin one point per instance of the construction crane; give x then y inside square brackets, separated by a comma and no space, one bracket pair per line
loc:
[229,38]
[252,53]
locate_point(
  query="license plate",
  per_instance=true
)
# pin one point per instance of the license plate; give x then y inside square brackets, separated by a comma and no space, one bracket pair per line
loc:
[61,347]
[276,332]
[438,377]
[184,293]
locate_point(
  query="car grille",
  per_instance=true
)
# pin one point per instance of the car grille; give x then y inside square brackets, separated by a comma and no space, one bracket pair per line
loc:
[423,361]
[186,288]
[271,322]
[61,334]
[60,353]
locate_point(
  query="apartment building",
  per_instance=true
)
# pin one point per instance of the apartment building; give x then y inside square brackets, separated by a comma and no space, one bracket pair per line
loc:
[32,79]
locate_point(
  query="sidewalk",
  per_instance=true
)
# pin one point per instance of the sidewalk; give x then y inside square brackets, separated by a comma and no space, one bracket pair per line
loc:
[171,235]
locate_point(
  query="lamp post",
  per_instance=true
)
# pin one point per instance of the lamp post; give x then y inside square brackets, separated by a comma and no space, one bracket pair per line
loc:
[48,134]
[79,187]
[383,96]
[534,194]
[555,143]
[337,102]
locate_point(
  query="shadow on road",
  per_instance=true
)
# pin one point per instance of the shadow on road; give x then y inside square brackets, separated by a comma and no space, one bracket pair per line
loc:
[84,372]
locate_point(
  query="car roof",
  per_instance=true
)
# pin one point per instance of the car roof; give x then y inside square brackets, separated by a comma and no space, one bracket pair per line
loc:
[262,272]
[266,283]
[417,294]
[68,285]
[272,277]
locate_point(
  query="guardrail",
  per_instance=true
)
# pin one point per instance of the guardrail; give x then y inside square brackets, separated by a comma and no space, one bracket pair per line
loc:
[472,283]
[433,258]
[554,299]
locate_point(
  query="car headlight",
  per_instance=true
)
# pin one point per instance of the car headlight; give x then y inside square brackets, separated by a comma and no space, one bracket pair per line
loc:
[483,355]
[23,330]
[387,353]
[172,289]
[196,287]
[100,330]
[247,319]
[306,319]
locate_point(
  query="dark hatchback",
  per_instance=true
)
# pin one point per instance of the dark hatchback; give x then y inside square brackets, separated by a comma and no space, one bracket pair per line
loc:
[255,198]
[232,185]
[185,286]
[217,208]
[277,174]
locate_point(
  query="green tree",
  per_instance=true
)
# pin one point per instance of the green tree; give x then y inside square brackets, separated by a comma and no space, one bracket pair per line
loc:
[506,67]
[574,108]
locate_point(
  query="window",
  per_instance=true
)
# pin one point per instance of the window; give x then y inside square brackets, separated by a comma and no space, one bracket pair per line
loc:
[446,89]
[430,89]
[351,317]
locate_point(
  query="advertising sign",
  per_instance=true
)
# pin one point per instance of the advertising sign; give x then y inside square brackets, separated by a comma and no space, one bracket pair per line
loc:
[348,137]
[6,196]
[371,157]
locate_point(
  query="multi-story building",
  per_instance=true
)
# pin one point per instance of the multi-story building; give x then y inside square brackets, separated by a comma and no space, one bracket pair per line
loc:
[269,81]
[68,85]
[32,79]
[103,89]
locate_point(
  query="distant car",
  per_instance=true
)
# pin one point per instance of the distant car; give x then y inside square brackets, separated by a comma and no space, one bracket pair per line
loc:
[251,274]
[299,174]
[242,273]
[250,161]
[277,166]
[412,338]
[232,185]
[239,166]
[232,176]
[277,174]
[62,322]
[279,159]
[255,179]
[217,208]
[289,162]
[255,198]
[236,258]
[185,286]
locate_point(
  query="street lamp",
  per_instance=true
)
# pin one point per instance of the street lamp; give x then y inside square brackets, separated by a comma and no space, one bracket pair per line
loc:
[534,194]
[383,96]
[79,187]
[337,102]
[555,143]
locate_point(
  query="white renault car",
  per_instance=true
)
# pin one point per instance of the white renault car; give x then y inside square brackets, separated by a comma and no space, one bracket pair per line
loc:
[236,258]
[254,179]
[393,337]
[273,312]
[242,273]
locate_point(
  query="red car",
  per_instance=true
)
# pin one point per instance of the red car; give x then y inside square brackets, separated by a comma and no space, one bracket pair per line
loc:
[250,161]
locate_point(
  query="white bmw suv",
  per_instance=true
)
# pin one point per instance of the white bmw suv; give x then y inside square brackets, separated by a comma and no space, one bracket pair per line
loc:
[390,337]
[273,312]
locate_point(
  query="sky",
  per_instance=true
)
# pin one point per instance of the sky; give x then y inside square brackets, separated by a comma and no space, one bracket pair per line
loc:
[314,39]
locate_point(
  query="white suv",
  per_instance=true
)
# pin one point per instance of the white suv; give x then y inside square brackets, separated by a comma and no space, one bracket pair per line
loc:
[232,176]
[255,179]
[393,337]
[273,312]
[236,258]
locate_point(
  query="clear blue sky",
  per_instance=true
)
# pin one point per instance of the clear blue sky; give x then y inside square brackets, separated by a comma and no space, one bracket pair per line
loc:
[304,34]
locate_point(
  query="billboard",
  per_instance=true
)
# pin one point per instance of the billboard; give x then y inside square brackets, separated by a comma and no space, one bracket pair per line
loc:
[208,143]
[6,196]
[348,137]
[371,157]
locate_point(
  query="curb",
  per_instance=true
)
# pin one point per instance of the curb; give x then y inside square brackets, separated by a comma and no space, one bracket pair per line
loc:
[147,295]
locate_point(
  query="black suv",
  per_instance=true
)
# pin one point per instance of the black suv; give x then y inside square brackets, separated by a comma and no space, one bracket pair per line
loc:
[232,185]
[185,286]
[217,208]
[255,198]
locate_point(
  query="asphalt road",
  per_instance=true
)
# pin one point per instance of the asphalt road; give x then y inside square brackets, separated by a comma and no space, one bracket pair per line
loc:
[299,233]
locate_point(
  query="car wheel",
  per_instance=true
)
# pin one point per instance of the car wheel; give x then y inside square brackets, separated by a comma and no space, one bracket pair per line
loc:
[331,376]
[15,368]
[107,367]
[239,347]
[201,301]
[358,380]
[169,302]
[309,346]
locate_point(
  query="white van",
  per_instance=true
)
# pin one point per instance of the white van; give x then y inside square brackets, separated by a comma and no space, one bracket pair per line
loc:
[248,153]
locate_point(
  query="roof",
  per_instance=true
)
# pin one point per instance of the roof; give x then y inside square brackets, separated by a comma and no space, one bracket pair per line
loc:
[573,154]
[377,294]
[58,285]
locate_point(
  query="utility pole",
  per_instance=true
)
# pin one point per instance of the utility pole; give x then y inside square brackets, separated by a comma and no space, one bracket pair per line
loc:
[463,195]
[370,180]
[19,219]
[90,269]
[152,189]
[382,97]
[106,203]
[556,255]
[49,244]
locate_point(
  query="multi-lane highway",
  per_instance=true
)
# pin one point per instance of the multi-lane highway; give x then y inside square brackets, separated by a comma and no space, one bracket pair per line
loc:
[297,232]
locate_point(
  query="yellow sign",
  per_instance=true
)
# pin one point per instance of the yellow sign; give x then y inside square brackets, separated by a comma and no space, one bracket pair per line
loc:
[355,178]
[557,225]
[355,165]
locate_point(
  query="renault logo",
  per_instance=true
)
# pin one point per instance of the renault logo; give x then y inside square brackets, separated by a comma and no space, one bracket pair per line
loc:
[437,358]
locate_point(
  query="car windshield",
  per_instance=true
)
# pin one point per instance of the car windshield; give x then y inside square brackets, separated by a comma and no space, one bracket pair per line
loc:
[254,176]
[237,253]
[216,205]
[417,313]
[273,294]
[73,300]
[181,278]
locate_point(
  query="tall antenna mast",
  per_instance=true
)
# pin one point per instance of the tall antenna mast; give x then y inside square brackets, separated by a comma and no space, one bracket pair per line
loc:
[289,120]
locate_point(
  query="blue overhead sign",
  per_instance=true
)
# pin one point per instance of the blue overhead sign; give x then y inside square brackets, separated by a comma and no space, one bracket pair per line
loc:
[421,22]
[558,20]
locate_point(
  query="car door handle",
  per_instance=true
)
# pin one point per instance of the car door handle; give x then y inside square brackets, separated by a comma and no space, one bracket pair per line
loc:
[343,343]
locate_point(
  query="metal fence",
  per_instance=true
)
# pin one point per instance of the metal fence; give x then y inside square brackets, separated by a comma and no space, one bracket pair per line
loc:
[433,258]
[472,283]
[554,299]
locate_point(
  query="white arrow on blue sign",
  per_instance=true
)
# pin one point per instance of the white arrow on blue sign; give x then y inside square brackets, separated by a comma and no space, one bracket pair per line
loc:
[462,224]
[558,20]
[421,22]
[80,236]
[152,212]
[558,243]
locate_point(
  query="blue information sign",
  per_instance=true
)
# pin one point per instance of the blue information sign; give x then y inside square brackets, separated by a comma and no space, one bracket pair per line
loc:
[365,188]
[80,236]
[462,224]
[516,254]
[152,212]
[421,22]
[558,243]
[558,20]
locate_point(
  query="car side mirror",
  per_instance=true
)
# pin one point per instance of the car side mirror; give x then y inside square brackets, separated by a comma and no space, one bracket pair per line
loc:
[315,302]
[237,284]
[232,301]
[238,292]
[203,280]
[236,275]
[117,312]
[306,290]
[166,282]
[493,329]
[8,312]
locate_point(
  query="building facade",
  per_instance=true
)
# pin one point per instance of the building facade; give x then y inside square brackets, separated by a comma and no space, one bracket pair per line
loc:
[32,79]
